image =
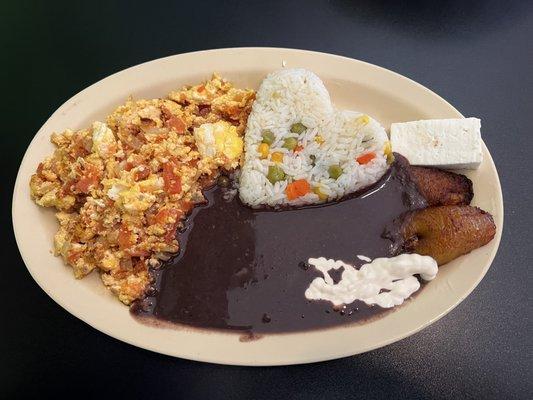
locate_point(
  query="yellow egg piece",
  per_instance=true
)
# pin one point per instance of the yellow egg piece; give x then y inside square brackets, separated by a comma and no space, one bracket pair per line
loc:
[217,139]
[229,143]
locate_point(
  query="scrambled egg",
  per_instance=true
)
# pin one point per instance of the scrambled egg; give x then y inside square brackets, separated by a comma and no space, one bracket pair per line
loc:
[131,199]
[220,142]
[104,143]
[122,187]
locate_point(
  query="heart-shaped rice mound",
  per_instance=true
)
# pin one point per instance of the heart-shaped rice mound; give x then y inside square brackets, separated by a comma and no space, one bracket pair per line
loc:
[300,150]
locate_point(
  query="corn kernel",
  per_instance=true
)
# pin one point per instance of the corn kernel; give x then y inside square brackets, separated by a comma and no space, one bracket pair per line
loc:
[319,139]
[277,157]
[321,195]
[264,150]
[363,120]
[387,150]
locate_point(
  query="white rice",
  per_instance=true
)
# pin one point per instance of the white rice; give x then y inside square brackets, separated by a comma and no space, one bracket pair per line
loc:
[290,96]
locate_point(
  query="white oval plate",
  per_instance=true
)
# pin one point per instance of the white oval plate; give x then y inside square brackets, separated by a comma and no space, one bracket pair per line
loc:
[353,84]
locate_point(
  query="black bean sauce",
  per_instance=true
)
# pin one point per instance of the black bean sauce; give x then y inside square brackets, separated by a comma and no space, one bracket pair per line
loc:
[246,270]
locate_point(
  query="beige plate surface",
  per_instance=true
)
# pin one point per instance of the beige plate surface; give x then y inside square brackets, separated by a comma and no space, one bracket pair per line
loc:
[385,95]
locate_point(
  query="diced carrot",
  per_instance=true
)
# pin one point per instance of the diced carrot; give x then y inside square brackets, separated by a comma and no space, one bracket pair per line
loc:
[297,189]
[366,158]
[171,180]
[291,192]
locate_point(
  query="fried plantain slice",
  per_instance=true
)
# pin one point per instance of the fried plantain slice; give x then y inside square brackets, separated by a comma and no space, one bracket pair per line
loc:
[441,187]
[443,232]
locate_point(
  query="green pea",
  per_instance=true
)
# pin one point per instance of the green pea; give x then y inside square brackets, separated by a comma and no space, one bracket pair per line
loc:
[268,137]
[335,171]
[290,143]
[275,174]
[298,128]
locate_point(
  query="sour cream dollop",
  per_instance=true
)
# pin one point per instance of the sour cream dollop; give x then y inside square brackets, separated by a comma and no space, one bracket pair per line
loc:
[394,275]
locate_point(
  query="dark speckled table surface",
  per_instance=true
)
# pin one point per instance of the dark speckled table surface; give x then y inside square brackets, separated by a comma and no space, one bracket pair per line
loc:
[478,55]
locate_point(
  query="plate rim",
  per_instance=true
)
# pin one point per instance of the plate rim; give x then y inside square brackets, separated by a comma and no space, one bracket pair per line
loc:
[302,360]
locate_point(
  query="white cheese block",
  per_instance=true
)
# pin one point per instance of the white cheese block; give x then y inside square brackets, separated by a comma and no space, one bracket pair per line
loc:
[443,143]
